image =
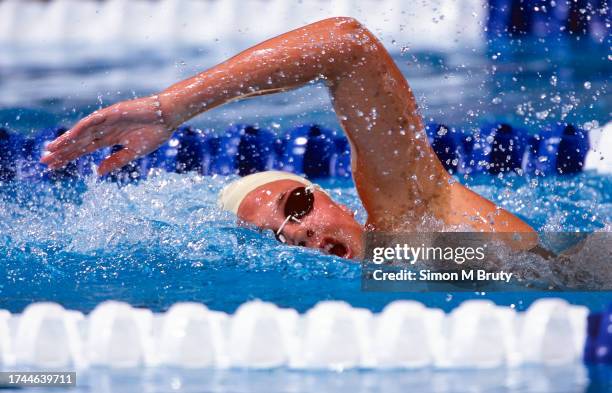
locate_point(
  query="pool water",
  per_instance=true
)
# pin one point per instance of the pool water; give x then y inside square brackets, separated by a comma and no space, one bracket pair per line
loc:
[528,380]
[164,240]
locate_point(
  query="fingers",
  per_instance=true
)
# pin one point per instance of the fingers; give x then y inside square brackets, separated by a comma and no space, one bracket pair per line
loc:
[68,152]
[116,161]
[74,143]
[73,135]
[60,158]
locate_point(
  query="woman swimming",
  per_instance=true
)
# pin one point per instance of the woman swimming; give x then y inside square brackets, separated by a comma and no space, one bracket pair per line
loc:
[397,174]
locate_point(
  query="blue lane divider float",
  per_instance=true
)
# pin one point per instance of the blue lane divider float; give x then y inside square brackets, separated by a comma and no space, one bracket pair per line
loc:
[590,345]
[507,148]
[9,152]
[573,148]
[187,151]
[547,19]
[603,349]
[256,149]
[310,150]
[598,345]
[561,150]
[341,160]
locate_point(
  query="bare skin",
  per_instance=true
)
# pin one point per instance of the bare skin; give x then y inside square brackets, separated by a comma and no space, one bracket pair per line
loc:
[330,227]
[397,174]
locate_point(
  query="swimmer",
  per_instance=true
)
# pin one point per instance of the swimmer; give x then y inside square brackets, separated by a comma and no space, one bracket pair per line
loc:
[397,174]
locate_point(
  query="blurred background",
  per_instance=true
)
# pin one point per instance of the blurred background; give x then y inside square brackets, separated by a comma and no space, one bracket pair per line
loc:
[526,62]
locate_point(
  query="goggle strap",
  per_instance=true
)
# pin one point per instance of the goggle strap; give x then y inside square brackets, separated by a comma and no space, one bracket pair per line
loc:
[280,230]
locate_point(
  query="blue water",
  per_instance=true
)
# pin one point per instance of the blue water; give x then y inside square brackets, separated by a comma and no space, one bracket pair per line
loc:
[524,380]
[163,240]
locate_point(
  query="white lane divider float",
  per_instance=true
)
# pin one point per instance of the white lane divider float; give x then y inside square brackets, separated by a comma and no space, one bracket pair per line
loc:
[119,335]
[6,352]
[478,335]
[407,335]
[262,335]
[332,335]
[549,335]
[192,336]
[599,157]
[49,336]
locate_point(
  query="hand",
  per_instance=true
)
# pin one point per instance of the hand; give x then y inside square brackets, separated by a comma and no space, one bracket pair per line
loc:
[137,125]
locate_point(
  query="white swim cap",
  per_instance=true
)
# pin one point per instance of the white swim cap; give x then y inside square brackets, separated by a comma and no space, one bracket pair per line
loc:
[234,193]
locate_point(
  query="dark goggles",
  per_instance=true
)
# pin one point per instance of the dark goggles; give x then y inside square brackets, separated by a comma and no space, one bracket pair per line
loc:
[299,203]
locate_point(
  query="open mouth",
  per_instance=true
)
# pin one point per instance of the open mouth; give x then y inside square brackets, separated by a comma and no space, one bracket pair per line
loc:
[334,247]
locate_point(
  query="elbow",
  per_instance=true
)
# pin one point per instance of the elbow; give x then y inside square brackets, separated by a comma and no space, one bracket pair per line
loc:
[351,28]
[353,35]
[349,43]
[347,23]
[341,25]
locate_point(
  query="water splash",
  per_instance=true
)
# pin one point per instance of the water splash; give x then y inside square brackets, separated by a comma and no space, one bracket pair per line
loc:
[163,240]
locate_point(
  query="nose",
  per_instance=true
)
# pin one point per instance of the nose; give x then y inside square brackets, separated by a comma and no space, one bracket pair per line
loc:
[321,237]
[300,235]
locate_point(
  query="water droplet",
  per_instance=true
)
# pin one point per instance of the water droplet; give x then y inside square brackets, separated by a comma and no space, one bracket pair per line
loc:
[553,80]
[587,85]
[542,114]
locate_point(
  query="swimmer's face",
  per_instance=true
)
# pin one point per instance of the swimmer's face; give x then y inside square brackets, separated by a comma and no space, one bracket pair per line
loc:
[327,226]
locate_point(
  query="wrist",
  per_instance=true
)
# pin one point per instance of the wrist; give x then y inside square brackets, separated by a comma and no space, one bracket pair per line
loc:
[170,111]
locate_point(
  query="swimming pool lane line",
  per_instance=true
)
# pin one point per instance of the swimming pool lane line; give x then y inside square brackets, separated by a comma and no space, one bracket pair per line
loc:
[330,336]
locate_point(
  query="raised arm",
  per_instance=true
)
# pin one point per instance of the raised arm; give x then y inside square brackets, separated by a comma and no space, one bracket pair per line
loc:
[398,176]
[395,170]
